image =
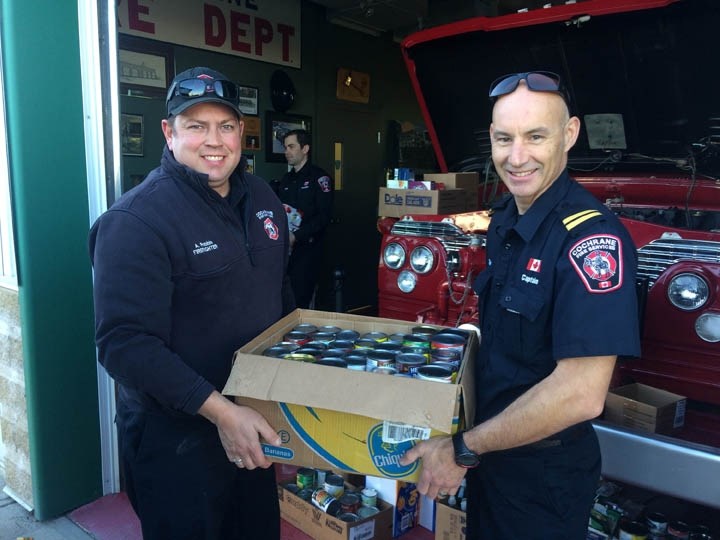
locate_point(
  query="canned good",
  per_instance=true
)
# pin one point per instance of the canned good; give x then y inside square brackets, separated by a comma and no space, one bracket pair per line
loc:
[332,362]
[292,487]
[325,501]
[416,340]
[324,337]
[368,497]
[300,357]
[308,350]
[409,362]
[701,536]
[389,346]
[348,335]
[678,530]
[452,356]
[333,352]
[434,373]
[656,522]
[398,337]
[278,351]
[388,370]
[356,362]
[319,345]
[424,330]
[376,336]
[367,511]
[448,341]
[417,350]
[305,494]
[350,502]
[378,357]
[348,517]
[320,476]
[307,328]
[335,485]
[632,530]
[305,478]
[343,344]
[328,328]
[365,344]
[300,338]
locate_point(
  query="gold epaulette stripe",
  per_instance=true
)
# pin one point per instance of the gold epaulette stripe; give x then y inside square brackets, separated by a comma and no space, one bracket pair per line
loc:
[573,221]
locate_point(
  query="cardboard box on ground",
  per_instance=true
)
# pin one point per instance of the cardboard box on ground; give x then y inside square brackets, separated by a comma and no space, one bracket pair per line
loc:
[450,522]
[331,418]
[646,408]
[321,526]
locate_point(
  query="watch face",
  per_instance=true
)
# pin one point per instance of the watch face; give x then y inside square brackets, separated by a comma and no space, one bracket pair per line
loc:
[467,460]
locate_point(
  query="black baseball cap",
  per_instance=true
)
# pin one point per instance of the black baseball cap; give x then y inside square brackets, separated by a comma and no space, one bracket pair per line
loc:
[201,85]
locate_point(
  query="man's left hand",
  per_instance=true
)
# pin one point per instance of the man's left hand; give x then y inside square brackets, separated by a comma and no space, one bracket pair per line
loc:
[439,472]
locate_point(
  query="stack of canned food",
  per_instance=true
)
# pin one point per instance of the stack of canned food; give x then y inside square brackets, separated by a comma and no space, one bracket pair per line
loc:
[332,495]
[426,353]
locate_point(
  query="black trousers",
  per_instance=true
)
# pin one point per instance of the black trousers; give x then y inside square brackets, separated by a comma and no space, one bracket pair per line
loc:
[183,487]
[534,493]
[304,270]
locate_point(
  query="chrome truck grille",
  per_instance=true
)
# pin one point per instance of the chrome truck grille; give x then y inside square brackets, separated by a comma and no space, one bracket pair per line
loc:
[447,233]
[654,258]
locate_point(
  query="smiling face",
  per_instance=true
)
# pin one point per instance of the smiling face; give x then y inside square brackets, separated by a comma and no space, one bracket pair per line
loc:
[206,138]
[531,133]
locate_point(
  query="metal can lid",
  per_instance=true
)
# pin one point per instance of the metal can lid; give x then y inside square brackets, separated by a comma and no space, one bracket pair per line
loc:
[348,517]
[329,328]
[308,328]
[299,357]
[367,511]
[425,330]
[335,480]
[434,373]
[349,335]
[376,336]
[332,361]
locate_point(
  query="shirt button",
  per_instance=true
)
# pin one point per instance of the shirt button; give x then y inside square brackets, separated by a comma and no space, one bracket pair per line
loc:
[508,246]
[508,298]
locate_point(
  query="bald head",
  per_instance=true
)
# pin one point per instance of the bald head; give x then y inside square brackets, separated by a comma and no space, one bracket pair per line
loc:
[531,134]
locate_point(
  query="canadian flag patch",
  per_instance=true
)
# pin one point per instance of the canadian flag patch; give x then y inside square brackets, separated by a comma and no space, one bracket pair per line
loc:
[533,265]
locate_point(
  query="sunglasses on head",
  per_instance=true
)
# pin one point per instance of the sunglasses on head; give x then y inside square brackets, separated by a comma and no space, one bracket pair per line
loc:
[538,81]
[193,88]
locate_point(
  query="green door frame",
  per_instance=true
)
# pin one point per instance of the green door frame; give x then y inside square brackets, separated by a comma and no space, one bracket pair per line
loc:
[49,190]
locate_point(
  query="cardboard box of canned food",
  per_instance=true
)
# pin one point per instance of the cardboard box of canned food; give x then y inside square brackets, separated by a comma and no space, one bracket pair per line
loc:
[322,526]
[341,419]
[450,522]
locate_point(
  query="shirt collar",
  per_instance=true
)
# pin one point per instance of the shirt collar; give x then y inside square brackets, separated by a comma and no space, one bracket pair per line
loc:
[541,208]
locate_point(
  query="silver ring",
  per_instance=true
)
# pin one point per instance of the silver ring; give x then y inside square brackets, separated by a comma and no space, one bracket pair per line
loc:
[237,460]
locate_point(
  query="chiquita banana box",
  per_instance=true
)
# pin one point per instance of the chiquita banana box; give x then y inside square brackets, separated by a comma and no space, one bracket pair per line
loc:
[348,418]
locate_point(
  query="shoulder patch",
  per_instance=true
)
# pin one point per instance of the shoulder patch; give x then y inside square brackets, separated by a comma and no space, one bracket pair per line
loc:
[576,219]
[597,259]
[324,182]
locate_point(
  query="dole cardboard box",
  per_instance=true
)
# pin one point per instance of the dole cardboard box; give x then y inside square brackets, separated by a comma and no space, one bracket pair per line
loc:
[645,407]
[400,202]
[450,522]
[469,181]
[341,419]
[321,526]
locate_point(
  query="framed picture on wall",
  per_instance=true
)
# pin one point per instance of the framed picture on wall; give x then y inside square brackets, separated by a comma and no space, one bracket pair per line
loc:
[276,126]
[144,67]
[131,134]
[249,97]
[251,134]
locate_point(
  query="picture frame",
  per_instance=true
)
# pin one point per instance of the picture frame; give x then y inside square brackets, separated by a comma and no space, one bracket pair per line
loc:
[251,133]
[276,125]
[132,133]
[249,99]
[145,67]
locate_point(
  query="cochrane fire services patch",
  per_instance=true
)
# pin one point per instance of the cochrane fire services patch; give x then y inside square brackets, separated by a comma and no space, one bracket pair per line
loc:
[598,261]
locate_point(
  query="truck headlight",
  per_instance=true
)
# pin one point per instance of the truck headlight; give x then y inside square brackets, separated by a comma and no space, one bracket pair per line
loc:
[406,281]
[394,256]
[688,291]
[422,259]
[707,327]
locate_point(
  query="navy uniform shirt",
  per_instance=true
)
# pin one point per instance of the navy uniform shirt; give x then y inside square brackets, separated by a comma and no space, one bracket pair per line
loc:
[560,283]
[310,190]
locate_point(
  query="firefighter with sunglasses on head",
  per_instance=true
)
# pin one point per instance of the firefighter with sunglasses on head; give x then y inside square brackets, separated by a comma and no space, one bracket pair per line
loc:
[558,306]
[189,266]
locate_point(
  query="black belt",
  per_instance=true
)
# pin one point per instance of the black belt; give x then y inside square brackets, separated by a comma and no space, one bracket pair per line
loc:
[570,434]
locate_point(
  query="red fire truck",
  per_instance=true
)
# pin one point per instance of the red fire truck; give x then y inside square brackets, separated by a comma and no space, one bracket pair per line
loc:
[643,78]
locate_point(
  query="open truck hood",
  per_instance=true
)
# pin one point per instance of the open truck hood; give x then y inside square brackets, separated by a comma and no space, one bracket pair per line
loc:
[642,75]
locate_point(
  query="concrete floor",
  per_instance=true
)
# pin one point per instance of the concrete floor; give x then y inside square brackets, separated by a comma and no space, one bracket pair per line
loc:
[17,522]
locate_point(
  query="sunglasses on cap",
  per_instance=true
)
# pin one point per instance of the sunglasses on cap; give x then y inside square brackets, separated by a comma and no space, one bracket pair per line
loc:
[538,81]
[194,88]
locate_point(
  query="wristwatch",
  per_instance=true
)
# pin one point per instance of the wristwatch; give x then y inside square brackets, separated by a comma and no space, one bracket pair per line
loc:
[464,457]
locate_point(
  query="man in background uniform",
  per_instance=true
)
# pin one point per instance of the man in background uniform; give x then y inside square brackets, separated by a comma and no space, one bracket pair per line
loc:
[307,193]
